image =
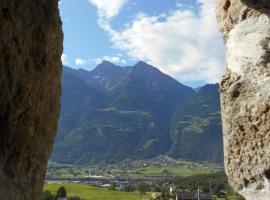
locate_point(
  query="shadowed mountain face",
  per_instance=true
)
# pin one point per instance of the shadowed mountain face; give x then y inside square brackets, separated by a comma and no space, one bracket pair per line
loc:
[113,113]
[104,77]
[196,127]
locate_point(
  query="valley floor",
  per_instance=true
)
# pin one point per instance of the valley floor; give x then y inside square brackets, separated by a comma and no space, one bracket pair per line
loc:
[157,174]
[153,169]
[94,193]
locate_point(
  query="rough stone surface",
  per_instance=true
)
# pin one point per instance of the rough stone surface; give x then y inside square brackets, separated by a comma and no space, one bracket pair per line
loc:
[245,95]
[30,69]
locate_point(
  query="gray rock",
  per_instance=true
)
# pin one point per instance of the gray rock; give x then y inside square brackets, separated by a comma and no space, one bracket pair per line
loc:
[30,69]
[245,95]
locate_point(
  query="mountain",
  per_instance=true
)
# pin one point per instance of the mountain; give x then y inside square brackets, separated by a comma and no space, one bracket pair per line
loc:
[148,89]
[114,113]
[104,77]
[76,96]
[196,127]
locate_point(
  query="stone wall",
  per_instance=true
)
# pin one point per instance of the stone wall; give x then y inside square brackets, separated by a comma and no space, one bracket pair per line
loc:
[30,69]
[245,95]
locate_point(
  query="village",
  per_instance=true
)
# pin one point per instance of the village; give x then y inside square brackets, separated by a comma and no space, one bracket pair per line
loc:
[160,177]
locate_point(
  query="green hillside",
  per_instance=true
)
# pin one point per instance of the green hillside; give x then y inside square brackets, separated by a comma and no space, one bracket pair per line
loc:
[196,127]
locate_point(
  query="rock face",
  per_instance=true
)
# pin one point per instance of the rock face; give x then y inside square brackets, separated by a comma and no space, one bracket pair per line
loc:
[30,69]
[245,95]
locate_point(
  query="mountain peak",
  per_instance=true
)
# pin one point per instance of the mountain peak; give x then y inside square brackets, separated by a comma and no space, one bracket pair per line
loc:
[105,67]
[144,67]
[106,63]
[142,63]
[208,88]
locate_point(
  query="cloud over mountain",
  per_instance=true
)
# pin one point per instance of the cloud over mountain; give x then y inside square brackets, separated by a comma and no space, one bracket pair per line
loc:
[185,43]
[108,8]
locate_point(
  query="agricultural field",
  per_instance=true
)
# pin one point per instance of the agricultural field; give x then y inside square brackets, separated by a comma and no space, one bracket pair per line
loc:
[92,182]
[135,171]
[94,193]
[176,171]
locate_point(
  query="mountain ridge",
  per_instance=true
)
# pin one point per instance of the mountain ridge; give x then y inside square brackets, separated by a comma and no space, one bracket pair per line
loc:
[119,113]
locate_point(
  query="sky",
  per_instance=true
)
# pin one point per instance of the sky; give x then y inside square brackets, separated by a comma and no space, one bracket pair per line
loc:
[179,37]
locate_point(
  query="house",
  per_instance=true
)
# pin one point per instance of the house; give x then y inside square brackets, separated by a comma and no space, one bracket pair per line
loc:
[192,196]
[172,189]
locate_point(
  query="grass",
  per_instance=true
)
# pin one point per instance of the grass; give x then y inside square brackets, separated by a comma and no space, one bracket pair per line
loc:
[187,169]
[110,109]
[56,164]
[93,193]
[152,171]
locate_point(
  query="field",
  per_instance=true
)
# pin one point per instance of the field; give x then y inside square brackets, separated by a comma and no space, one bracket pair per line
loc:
[133,171]
[178,171]
[150,171]
[94,193]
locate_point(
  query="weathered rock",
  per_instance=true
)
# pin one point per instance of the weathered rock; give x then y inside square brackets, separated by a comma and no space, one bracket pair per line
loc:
[245,95]
[30,69]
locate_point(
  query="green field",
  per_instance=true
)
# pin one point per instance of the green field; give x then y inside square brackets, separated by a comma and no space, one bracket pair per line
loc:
[184,169]
[179,171]
[137,172]
[94,193]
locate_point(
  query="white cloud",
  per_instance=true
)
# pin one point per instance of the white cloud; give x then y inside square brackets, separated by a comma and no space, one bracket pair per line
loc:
[80,61]
[64,59]
[108,8]
[113,59]
[183,44]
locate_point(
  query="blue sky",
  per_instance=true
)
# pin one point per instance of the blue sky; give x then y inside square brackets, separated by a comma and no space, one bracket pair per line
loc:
[180,37]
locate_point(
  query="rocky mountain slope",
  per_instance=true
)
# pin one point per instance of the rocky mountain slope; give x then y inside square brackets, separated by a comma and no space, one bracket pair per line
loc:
[113,113]
[196,126]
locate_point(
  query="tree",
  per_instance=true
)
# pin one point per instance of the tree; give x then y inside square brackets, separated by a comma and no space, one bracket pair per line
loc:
[61,192]
[129,188]
[75,198]
[240,198]
[47,195]
[141,188]
[112,186]
[165,171]
[155,188]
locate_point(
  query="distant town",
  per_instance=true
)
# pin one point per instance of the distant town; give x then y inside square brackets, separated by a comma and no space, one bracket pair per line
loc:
[159,178]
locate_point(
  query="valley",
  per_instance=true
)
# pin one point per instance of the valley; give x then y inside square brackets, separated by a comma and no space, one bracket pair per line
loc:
[154,169]
[125,126]
[120,181]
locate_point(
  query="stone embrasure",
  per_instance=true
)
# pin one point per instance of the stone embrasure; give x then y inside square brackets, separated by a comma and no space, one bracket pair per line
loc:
[245,95]
[30,70]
